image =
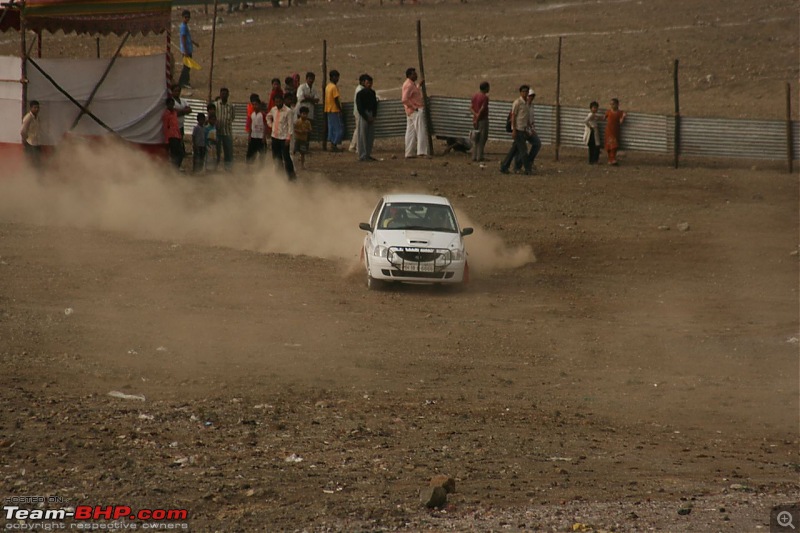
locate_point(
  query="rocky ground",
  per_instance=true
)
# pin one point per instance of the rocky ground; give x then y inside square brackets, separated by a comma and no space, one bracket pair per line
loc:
[625,357]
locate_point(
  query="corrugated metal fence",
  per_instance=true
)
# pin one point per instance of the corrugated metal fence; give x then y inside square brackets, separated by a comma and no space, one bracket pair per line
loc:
[700,137]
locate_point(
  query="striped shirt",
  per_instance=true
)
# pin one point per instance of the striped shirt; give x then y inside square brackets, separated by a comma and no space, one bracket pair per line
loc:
[226,113]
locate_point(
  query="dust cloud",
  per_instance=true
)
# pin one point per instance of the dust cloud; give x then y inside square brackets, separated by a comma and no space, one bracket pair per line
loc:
[111,187]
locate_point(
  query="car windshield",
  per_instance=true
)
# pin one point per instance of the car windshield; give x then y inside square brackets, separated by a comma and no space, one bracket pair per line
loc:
[414,216]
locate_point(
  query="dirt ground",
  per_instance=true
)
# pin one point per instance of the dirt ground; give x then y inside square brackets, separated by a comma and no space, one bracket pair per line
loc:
[625,357]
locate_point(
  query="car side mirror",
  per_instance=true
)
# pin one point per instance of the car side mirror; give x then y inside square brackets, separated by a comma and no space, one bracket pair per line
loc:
[466,231]
[365,226]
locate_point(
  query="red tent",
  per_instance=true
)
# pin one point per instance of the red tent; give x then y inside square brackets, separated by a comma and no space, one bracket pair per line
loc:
[93,17]
[89,16]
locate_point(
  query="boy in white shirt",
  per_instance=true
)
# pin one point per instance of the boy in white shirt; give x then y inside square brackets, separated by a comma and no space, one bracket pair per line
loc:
[281,120]
[257,142]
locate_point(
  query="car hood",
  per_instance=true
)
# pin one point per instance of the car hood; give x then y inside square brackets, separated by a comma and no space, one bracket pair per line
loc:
[418,238]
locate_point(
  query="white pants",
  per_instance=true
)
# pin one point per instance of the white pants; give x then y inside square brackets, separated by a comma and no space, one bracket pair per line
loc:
[416,134]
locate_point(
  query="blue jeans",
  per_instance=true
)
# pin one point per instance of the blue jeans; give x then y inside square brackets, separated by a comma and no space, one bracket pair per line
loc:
[226,151]
[335,128]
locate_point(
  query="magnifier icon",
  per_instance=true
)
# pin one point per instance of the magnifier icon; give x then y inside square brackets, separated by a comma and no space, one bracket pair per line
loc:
[785,519]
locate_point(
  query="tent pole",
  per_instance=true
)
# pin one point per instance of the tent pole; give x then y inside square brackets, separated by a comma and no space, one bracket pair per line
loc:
[213,44]
[100,82]
[39,44]
[69,96]
[426,108]
[23,50]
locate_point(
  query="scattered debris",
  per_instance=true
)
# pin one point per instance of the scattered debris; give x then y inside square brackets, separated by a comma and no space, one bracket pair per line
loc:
[123,396]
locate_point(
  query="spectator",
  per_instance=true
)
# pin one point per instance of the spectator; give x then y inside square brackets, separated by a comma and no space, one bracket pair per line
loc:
[480,121]
[187,49]
[211,139]
[416,130]
[333,109]
[169,120]
[211,133]
[354,142]
[199,144]
[30,134]
[226,114]
[257,141]
[519,123]
[182,108]
[367,108]
[280,120]
[275,91]
[614,119]
[253,105]
[591,133]
[530,135]
[288,87]
[302,133]
[308,96]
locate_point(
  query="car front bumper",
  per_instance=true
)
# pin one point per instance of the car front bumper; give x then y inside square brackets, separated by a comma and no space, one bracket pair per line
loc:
[415,265]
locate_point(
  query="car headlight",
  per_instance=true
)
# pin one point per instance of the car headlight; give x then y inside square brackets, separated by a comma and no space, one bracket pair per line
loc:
[456,254]
[380,251]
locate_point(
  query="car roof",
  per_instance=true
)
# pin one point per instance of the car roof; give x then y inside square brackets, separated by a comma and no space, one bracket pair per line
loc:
[416,199]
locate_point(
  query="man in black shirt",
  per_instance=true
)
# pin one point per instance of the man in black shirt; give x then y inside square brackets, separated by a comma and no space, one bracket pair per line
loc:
[367,107]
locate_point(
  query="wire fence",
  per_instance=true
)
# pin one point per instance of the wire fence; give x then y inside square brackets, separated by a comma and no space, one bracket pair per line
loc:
[643,132]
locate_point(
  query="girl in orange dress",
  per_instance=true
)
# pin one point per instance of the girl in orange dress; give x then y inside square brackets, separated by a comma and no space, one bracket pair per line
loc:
[614,119]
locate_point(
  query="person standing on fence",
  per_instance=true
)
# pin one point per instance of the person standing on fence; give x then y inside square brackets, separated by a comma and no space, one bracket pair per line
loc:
[591,133]
[480,121]
[519,118]
[416,131]
[367,107]
[354,141]
[30,134]
[187,49]
[614,119]
[226,114]
[333,109]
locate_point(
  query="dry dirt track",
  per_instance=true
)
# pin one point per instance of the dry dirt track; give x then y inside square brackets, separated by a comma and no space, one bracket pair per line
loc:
[627,369]
[633,369]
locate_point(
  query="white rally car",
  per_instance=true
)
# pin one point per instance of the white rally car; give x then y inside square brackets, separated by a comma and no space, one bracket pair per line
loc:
[414,238]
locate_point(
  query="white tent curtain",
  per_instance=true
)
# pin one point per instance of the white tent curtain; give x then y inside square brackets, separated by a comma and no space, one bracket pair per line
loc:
[130,100]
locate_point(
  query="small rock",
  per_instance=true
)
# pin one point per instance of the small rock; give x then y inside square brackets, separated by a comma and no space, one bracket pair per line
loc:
[446,482]
[413,174]
[683,226]
[433,497]
[664,228]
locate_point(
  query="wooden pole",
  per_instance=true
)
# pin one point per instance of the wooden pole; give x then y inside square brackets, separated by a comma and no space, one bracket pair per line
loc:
[789,136]
[324,88]
[39,44]
[100,82]
[97,42]
[677,134]
[558,100]
[213,45]
[24,55]
[426,102]
[69,96]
